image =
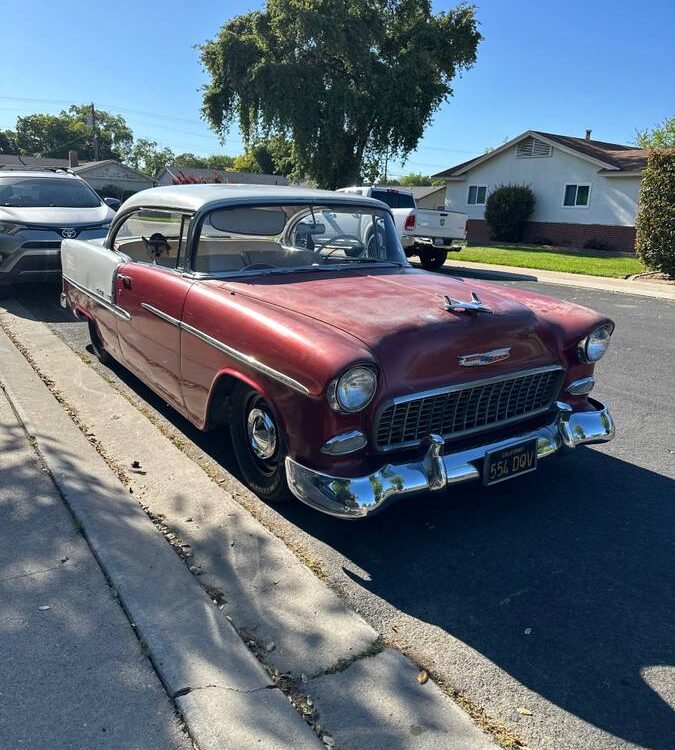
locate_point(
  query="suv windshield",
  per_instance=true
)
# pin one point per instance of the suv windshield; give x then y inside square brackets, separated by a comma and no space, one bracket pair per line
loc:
[43,192]
[269,239]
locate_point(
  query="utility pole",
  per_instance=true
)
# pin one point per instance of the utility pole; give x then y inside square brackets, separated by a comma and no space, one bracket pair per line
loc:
[94,131]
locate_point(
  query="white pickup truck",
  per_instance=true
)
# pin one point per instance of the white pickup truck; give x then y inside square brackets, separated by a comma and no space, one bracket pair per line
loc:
[425,233]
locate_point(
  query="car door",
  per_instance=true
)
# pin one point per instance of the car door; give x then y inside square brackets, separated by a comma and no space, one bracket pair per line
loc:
[150,288]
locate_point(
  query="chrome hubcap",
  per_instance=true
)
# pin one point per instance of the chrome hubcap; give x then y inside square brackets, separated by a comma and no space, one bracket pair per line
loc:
[262,434]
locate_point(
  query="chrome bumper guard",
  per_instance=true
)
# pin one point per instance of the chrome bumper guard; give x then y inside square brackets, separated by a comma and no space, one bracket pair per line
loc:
[359,497]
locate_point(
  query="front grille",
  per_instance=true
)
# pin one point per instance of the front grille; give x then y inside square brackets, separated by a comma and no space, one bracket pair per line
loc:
[465,409]
[37,245]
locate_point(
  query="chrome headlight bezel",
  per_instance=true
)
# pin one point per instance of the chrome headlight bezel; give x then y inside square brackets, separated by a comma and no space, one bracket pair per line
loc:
[592,348]
[337,389]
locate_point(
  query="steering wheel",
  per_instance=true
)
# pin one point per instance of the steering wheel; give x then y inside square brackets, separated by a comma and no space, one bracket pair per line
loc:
[351,252]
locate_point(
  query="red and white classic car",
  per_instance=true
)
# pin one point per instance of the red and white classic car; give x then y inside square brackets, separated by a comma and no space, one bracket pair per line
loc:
[344,374]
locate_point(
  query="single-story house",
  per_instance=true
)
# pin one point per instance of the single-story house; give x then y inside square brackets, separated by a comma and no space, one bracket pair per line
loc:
[109,177]
[429,196]
[170,174]
[586,190]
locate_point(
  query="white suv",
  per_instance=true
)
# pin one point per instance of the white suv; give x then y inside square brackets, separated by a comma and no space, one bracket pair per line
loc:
[37,211]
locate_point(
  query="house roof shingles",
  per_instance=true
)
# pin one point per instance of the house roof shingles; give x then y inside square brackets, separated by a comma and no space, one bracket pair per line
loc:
[616,156]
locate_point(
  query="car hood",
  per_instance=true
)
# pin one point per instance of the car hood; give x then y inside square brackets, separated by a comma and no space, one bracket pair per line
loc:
[57,216]
[402,318]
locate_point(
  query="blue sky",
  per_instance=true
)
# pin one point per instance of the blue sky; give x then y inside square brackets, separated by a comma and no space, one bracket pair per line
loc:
[559,67]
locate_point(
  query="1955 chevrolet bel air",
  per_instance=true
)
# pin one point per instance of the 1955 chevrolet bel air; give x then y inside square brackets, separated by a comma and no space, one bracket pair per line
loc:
[345,375]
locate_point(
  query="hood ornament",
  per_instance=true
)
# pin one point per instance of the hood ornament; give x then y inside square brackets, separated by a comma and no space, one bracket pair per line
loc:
[484,358]
[458,306]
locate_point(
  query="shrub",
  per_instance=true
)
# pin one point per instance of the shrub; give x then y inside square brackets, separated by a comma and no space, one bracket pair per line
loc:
[506,211]
[656,216]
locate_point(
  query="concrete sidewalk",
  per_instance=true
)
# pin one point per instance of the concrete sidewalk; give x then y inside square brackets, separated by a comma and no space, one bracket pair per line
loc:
[72,672]
[513,273]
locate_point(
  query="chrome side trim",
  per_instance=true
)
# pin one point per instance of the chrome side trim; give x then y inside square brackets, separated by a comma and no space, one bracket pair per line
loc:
[246,359]
[110,306]
[160,314]
[358,497]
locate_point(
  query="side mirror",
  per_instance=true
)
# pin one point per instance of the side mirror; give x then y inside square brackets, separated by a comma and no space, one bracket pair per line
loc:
[112,203]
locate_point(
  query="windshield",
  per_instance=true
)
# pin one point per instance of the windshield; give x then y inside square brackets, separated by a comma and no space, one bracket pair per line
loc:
[42,192]
[274,239]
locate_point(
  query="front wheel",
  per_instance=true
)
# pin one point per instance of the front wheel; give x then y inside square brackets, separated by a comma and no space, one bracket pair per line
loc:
[433,258]
[258,446]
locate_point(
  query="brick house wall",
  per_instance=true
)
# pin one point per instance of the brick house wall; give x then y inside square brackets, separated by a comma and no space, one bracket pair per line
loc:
[566,235]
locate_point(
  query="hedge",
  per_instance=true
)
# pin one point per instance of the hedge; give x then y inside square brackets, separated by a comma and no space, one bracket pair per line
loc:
[655,224]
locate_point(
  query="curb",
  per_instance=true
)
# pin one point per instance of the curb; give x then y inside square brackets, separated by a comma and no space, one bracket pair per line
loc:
[223,693]
[600,283]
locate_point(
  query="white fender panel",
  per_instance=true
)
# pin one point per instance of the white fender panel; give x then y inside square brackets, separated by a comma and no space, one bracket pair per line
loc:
[90,265]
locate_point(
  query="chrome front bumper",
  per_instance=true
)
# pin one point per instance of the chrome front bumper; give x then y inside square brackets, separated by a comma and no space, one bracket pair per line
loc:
[359,497]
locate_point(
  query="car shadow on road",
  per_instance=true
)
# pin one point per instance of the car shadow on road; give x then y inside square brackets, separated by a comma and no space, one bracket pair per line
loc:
[561,579]
[483,274]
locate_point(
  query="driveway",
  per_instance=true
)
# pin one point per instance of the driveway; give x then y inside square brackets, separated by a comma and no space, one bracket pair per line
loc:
[547,600]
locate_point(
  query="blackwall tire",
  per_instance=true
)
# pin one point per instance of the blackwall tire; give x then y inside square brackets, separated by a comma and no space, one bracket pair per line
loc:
[433,259]
[265,475]
[97,345]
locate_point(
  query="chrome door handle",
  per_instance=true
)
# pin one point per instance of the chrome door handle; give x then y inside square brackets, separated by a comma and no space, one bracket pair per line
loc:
[126,280]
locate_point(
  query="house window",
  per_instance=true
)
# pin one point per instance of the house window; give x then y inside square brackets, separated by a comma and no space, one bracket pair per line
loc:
[477,195]
[576,195]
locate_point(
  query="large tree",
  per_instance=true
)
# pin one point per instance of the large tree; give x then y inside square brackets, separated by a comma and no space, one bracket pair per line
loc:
[148,157]
[273,155]
[346,80]
[661,136]
[76,129]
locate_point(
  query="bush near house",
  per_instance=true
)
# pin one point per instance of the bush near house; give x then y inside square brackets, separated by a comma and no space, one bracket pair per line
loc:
[656,216]
[507,209]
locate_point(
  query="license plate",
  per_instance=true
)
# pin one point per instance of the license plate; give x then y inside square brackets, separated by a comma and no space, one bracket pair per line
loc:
[509,462]
[439,241]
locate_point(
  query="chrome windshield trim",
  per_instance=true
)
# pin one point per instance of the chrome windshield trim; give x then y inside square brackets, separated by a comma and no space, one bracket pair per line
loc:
[110,306]
[160,314]
[246,359]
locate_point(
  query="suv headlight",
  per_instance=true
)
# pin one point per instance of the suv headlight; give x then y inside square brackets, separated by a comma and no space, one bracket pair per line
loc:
[594,346]
[10,227]
[353,390]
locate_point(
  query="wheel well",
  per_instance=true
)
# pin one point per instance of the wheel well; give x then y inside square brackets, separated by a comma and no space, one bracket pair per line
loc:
[219,406]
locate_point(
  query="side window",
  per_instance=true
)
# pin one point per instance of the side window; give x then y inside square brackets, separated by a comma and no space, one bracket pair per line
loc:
[153,236]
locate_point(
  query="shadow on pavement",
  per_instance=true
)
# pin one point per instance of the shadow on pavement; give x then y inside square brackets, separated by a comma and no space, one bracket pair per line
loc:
[581,553]
[477,273]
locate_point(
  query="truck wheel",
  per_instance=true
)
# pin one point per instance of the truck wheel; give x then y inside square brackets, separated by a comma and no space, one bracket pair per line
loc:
[433,259]
[97,345]
[258,446]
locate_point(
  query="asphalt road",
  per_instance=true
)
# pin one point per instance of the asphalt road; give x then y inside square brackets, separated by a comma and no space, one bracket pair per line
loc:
[549,599]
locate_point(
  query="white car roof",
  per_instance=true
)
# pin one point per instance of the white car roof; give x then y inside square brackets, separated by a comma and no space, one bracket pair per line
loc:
[196,197]
[11,172]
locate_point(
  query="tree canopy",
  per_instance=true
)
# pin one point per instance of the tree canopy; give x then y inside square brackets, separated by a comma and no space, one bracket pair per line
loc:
[54,135]
[661,136]
[346,80]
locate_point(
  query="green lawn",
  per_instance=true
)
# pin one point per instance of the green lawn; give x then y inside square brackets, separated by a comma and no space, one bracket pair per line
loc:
[589,262]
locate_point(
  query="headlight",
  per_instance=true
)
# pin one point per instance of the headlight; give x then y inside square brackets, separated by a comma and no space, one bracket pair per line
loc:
[594,346]
[10,227]
[353,390]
